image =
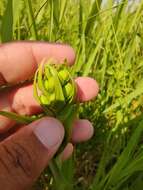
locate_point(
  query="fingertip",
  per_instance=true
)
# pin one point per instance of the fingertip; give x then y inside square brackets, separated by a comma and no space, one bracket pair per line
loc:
[71,55]
[87,88]
[67,152]
[82,131]
[49,131]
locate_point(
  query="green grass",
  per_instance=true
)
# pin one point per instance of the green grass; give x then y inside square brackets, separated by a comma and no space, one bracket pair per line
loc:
[108,43]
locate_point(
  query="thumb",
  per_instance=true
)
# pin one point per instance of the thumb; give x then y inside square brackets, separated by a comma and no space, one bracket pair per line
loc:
[25,154]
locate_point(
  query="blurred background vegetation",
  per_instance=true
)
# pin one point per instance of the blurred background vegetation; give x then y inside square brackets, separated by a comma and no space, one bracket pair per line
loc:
[108,39]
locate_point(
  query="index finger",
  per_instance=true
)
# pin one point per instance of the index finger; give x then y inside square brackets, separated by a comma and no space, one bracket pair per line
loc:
[19,60]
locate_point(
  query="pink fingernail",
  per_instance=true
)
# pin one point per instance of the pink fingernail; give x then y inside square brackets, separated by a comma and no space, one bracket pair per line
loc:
[49,131]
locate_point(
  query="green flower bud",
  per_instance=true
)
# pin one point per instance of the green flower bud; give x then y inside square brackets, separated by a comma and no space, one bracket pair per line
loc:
[44,100]
[52,97]
[56,86]
[64,76]
[68,90]
[50,84]
[47,72]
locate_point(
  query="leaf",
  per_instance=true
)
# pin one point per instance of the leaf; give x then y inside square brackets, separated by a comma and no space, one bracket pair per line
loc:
[92,16]
[125,158]
[18,118]
[7,23]
[63,5]
[125,101]
[17,7]
[31,19]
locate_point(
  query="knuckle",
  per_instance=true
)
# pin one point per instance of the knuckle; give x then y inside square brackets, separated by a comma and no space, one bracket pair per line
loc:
[19,159]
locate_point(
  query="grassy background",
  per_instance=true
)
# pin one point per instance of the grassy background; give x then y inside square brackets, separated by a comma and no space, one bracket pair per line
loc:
[108,40]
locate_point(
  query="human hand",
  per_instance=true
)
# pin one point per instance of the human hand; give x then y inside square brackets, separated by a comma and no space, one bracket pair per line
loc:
[25,152]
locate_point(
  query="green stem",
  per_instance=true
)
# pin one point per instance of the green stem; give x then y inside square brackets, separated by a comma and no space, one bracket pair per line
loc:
[19,119]
[61,183]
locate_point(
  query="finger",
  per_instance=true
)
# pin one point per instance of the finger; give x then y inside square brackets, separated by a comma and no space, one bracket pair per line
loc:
[19,60]
[82,131]
[87,88]
[25,154]
[67,152]
[21,100]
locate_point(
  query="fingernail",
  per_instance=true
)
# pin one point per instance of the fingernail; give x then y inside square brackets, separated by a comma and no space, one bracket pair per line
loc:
[49,131]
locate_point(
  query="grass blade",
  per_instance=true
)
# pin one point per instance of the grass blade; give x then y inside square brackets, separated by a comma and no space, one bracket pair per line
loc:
[63,5]
[92,18]
[31,19]
[7,23]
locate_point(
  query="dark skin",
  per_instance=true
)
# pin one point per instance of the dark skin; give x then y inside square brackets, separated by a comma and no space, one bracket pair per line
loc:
[27,151]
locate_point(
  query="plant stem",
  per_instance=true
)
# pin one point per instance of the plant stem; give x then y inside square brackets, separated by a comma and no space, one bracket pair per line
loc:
[61,183]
